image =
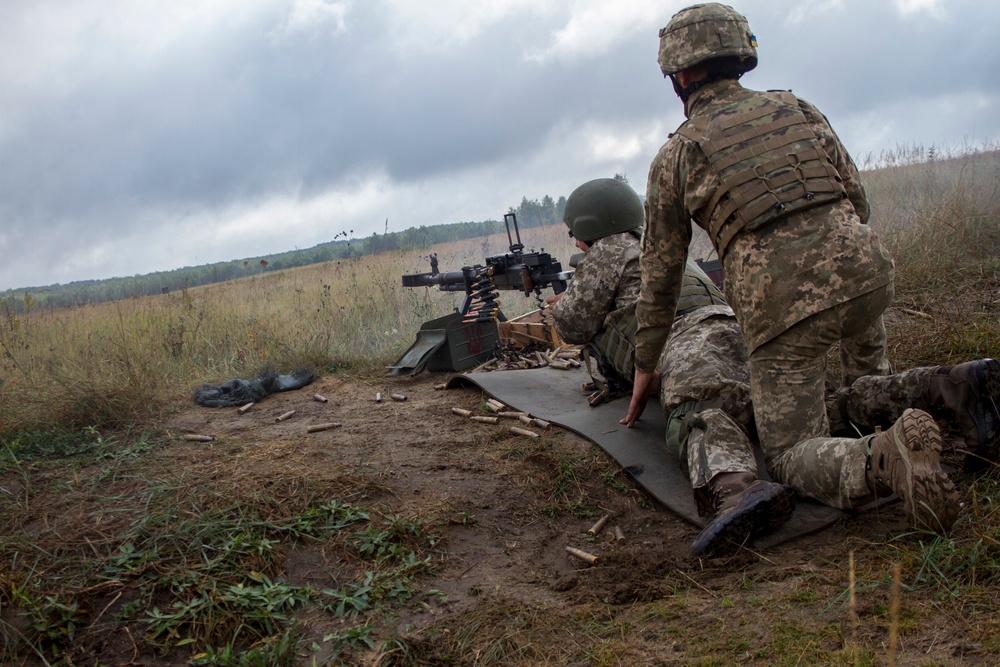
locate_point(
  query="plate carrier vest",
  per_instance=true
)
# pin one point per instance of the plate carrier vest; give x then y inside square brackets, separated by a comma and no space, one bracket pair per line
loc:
[614,348]
[769,162]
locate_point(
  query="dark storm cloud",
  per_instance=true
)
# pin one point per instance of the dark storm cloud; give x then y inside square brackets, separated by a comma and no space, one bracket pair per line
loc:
[112,146]
[208,124]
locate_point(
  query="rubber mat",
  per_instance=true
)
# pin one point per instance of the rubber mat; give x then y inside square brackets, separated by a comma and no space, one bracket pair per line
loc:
[556,396]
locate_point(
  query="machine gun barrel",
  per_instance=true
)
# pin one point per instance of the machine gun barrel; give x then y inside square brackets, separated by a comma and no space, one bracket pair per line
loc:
[451,281]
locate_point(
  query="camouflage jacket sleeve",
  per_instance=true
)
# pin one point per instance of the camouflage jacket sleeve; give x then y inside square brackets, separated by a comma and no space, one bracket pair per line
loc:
[841,159]
[604,288]
[664,249]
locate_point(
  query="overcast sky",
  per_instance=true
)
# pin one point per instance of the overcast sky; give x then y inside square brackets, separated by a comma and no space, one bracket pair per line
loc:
[148,135]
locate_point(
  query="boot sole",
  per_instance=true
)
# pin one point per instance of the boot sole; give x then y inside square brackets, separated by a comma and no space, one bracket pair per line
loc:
[930,498]
[765,510]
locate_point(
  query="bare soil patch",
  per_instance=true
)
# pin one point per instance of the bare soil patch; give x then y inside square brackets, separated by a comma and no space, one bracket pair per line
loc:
[508,507]
[502,589]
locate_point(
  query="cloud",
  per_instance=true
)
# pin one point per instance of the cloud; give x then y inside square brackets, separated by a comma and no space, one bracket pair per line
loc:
[416,29]
[594,27]
[902,126]
[934,8]
[63,45]
[808,12]
[308,16]
[139,136]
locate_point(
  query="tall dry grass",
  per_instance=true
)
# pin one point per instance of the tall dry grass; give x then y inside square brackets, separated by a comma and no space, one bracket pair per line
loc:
[938,213]
[115,364]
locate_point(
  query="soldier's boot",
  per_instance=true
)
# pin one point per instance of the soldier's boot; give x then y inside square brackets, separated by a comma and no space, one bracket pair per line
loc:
[906,460]
[971,392]
[744,508]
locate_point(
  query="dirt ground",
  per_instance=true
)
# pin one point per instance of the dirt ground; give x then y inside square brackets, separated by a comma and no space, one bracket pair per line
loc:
[508,506]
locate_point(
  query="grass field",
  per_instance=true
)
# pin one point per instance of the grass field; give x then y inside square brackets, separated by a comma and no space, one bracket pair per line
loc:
[110,554]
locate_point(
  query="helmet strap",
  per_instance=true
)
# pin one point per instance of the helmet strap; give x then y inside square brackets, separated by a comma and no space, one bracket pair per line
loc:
[677,88]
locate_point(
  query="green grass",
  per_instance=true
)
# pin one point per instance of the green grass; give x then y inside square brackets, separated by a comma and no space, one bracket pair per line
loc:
[198,568]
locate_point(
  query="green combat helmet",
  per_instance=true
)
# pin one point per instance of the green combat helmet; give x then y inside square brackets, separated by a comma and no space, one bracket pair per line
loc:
[602,207]
[706,32]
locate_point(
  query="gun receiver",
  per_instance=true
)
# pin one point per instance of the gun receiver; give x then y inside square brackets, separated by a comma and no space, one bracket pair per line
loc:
[516,270]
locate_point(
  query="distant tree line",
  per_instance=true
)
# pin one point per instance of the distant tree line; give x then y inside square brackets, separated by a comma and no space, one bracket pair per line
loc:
[530,213]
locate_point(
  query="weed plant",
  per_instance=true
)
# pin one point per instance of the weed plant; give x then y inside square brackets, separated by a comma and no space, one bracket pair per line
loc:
[198,569]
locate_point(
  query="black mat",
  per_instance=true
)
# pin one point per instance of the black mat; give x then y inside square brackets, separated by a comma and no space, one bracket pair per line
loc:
[556,396]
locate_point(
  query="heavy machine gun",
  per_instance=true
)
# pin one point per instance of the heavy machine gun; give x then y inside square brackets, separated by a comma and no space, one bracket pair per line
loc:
[467,337]
[515,270]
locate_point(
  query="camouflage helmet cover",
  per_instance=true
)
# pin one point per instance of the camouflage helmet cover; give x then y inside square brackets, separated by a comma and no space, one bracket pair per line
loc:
[704,32]
[602,207]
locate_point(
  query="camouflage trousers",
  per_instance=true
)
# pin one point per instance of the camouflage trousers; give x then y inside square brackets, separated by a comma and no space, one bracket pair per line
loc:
[879,400]
[705,393]
[788,387]
[707,441]
[710,424]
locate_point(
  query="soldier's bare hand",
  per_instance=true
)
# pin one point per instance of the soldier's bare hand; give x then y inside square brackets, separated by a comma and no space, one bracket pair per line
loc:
[645,385]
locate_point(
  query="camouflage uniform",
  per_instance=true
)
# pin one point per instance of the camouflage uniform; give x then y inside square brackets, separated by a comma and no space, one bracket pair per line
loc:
[604,289]
[877,401]
[705,393]
[705,369]
[797,285]
[705,388]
